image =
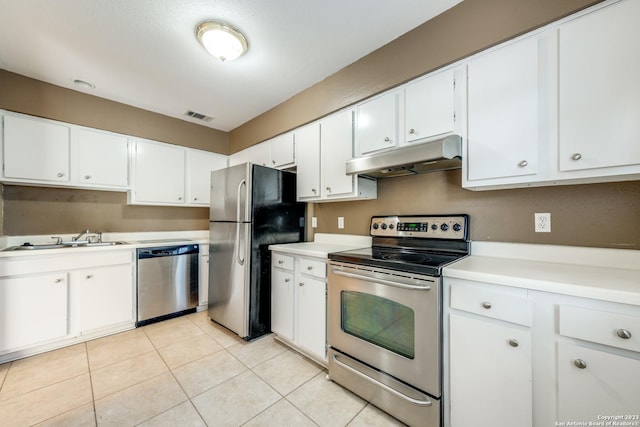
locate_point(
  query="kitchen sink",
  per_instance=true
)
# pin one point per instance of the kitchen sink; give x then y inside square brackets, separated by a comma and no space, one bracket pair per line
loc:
[83,244]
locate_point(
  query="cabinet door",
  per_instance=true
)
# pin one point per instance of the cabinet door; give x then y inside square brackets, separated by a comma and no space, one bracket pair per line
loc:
[201,164]
[34,310]
[103,158]
[36,149]
[503,105]
[242,156]
[378,122]
[311,315]
[336,147]
[593,382]
[599,112]
[429,107]
[490,373]
[282,303]
[283,150]
[101,297]
[308,170]
[160,173]
[260,154]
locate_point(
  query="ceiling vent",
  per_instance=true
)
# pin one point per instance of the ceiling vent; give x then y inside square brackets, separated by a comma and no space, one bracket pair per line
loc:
[198,116]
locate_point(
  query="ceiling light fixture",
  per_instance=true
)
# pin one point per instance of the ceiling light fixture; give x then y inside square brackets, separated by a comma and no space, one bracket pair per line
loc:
[221,40]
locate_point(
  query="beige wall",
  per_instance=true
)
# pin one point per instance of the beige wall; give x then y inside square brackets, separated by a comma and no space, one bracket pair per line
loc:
[34,210]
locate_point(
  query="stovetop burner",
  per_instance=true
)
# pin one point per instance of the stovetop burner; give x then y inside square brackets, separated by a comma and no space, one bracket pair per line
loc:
[418,244]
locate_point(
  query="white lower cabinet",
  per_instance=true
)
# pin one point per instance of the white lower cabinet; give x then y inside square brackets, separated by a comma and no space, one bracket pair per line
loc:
[49,301]
[34,310]
[489,357]
[521,357]
[101,297]
[298,303]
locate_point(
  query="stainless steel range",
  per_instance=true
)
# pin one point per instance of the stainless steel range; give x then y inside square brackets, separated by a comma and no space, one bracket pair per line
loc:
[385,313]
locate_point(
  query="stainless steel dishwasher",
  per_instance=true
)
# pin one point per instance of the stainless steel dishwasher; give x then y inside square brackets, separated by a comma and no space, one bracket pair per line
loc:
[167,282]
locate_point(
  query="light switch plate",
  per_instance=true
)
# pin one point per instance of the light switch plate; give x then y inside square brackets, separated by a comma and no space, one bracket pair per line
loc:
[314,222]
[340,222]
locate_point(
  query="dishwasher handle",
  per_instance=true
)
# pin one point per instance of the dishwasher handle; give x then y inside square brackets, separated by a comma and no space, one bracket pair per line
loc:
[164,251]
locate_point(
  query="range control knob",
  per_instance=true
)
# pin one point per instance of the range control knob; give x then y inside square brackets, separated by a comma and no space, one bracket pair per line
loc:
[384,226]
[434,226]
[375,226]
[444,227]
[391,226]
[457,227]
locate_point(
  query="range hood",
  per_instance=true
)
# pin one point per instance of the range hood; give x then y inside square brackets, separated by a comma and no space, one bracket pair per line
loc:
[440,154]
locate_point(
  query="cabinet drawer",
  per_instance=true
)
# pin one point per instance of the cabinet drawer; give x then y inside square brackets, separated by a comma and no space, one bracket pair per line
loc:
[314,268]
[503,303]
[616,330]
[282,261]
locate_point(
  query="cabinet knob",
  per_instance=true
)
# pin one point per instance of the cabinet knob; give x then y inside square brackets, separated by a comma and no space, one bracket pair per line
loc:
[60,174]
[581,364]
[412,131]
[59,280]
[280,261]
[195,199]
[329,189]
[523,163]
[179,198]
[623,333]
[300,284]
[386,139]
[513,342]
[486,305]
[273,162]
[287,280]
[309,268]
[314,191]
[87,177]
[89,276]
[576,156]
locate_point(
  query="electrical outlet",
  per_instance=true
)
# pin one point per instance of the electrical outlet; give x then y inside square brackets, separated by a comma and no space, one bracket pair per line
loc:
[340,222]
[314,222]
[542,222]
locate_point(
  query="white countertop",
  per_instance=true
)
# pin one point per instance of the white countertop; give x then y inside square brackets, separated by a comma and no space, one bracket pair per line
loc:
[323,244]
[605,274]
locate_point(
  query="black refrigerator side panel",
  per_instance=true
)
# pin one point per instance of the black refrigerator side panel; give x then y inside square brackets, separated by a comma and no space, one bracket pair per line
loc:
[277,218]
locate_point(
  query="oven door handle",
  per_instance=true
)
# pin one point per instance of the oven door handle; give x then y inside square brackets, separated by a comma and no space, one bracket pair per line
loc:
[339,272]
[334,356]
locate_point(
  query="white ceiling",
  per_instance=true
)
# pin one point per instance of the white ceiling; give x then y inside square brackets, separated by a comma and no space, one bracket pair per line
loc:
[144,52]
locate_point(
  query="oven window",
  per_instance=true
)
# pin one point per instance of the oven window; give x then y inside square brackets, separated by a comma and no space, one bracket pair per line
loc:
[380,321]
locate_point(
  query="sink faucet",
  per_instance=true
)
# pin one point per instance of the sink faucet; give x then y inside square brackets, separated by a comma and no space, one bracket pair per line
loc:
[82,233]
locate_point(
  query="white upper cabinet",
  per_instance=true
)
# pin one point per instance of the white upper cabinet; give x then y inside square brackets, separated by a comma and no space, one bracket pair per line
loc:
[336,147]
[430,107]
[239,157]
[503,119]
[378,123]
[599,89]
[260,154]
[45,152]
[159,173]
[103,158]
[36,149]
[308,170]
[200,165]
[283,150]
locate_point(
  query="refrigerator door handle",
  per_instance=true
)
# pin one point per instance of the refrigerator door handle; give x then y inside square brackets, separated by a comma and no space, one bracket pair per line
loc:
[239,202]
[239,252]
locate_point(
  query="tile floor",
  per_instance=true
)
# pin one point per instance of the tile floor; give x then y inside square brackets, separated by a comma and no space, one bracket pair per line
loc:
[185,371]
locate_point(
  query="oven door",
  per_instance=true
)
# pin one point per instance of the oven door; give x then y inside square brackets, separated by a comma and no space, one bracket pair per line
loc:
[389,320]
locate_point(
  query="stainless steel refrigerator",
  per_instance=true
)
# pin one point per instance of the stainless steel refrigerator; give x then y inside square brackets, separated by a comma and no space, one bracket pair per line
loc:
[252,207]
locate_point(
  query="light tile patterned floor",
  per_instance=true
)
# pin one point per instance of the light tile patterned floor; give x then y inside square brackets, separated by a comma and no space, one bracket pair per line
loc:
[185,371]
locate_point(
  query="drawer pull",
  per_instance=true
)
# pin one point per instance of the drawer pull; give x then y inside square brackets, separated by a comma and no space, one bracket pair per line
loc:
[623,333]
[89,276]
[581,364]
[486,305]
[280,261]
[513,342]
[59,280]
[309,267]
